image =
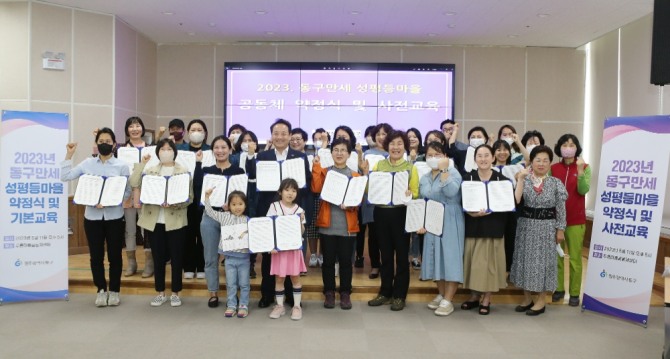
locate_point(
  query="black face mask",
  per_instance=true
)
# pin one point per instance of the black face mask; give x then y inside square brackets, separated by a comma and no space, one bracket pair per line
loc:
[105,149]
[177,135]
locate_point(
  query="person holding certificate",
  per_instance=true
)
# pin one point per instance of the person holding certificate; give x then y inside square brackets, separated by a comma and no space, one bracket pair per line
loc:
[443,255]
[194,262]
[297,142]
[393,242]
[464,159]
[167,222]
[235,135]
[338,226]
[575,174]
[379,134]
[247,143]
[541,202]
[280,130]
[209,227]
[103,225]
[416,153]
[484,253]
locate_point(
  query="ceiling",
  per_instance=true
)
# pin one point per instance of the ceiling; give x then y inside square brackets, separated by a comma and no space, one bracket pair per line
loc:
[552,23]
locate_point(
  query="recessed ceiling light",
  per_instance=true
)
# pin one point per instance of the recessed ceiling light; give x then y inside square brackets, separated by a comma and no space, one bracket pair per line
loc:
[449,13]
[212,24]
[167,13]
[261,12]
[269,33]
[355,12]
[191,33]
[432,34]
[513,36]
[543,15]
[351,34]
[451,26]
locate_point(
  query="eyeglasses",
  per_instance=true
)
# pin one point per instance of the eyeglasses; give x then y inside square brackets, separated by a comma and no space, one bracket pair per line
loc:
[296,140]
[340,151]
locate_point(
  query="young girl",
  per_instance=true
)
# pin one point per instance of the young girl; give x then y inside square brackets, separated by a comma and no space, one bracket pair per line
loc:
[237,261]
[291,262]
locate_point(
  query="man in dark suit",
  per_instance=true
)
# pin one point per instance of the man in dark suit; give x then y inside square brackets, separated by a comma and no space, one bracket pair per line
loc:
[281,132]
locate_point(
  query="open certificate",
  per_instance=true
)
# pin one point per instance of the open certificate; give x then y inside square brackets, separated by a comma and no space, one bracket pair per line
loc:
[388,188]
[129,155]
[339,189]
[233,238]
[222,185]
[326,159]
[276,232]
[425,213]
[208,158]
[171,190]
[373,159]
[150,150]
[106,191]
[492,196]
[187,160]
[269,174]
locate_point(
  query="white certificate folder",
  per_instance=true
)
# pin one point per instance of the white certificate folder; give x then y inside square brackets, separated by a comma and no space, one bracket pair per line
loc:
[425,213]
[339,189]
[169,189]
[492,196]
[387,188]
[269,174]
[106,191]
[280,233]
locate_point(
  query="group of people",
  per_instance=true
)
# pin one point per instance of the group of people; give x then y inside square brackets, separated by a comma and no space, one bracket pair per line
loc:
[475,249]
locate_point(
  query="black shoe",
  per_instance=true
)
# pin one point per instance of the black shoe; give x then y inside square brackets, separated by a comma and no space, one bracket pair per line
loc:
[574,301]
[213,302]
[524,308]
[252,273]
[359,262]
[557,296]
[265,302]
[534,313]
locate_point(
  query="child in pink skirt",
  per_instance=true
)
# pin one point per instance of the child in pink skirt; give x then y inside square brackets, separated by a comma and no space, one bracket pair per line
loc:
[291,262]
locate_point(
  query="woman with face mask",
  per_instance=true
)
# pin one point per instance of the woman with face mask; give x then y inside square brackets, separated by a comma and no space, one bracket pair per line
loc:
[443,255]
[518,152]
[103,225]
[575,175]
[532,139]
[166,223]
[194,262]
[235,136]
[465,159]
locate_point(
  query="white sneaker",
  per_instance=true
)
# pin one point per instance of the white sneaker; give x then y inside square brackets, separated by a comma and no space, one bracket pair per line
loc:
[320,260]
[101,299]
[435,302]
[277,311]
[158,300]
[445,308]
[175,301]
[337,269]
[189,275]
[200,275]
[113,299]
[312,260]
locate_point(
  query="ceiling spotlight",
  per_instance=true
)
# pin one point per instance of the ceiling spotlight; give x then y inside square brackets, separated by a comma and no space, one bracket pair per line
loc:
[261,12]
[167,13]
[432,34]
[543,15]
[355,12]
[512,36]
[212,24]
[449,13]
[269,33]
[351,34]
[451,26]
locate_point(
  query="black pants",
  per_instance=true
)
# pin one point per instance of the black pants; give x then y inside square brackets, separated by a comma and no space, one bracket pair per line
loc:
[164,245]
[510,235]
[394,247]
[360,236]
[268,280]
[194,259]
[373,244]
[339,247]
[98,233]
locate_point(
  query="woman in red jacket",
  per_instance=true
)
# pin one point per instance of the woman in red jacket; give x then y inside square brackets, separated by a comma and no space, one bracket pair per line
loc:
[576,176]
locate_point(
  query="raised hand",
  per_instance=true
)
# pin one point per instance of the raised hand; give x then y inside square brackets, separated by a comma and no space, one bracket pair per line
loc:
[70,147]
[208,192]
[252,148]
[146,158]
[198,156]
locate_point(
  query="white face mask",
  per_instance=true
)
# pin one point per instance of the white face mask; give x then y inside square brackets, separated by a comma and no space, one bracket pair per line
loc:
[432,162]
[245,147]
[476,142]
[509,140]
[234,137]
[530,147]
[196,137]
[166,156]
[318,144]
[370,141]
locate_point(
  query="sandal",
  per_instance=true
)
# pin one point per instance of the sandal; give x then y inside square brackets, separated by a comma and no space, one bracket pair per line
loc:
[484,309]
[230,312]
[471,304]
[213,302]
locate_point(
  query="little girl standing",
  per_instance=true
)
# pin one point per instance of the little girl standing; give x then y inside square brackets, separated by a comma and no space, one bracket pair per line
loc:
[236,262]
[290,262]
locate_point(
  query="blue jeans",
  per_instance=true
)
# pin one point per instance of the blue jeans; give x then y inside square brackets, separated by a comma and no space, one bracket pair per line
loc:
[210,230]
[237,276]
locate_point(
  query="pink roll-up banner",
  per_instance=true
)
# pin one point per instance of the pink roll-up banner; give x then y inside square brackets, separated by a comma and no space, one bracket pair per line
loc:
[628,214]
[33,207]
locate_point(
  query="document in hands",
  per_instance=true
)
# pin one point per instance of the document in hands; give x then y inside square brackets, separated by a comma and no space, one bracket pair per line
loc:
[425,213]
[222,185]
[170,190]
[492,196]
[208,158]
[275,232]
[373,159]
[326,159]
[106,191]
[388,188]
[154,161]
[187,160]
[269,174]
[339,189]
[233,238]
[129,155]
